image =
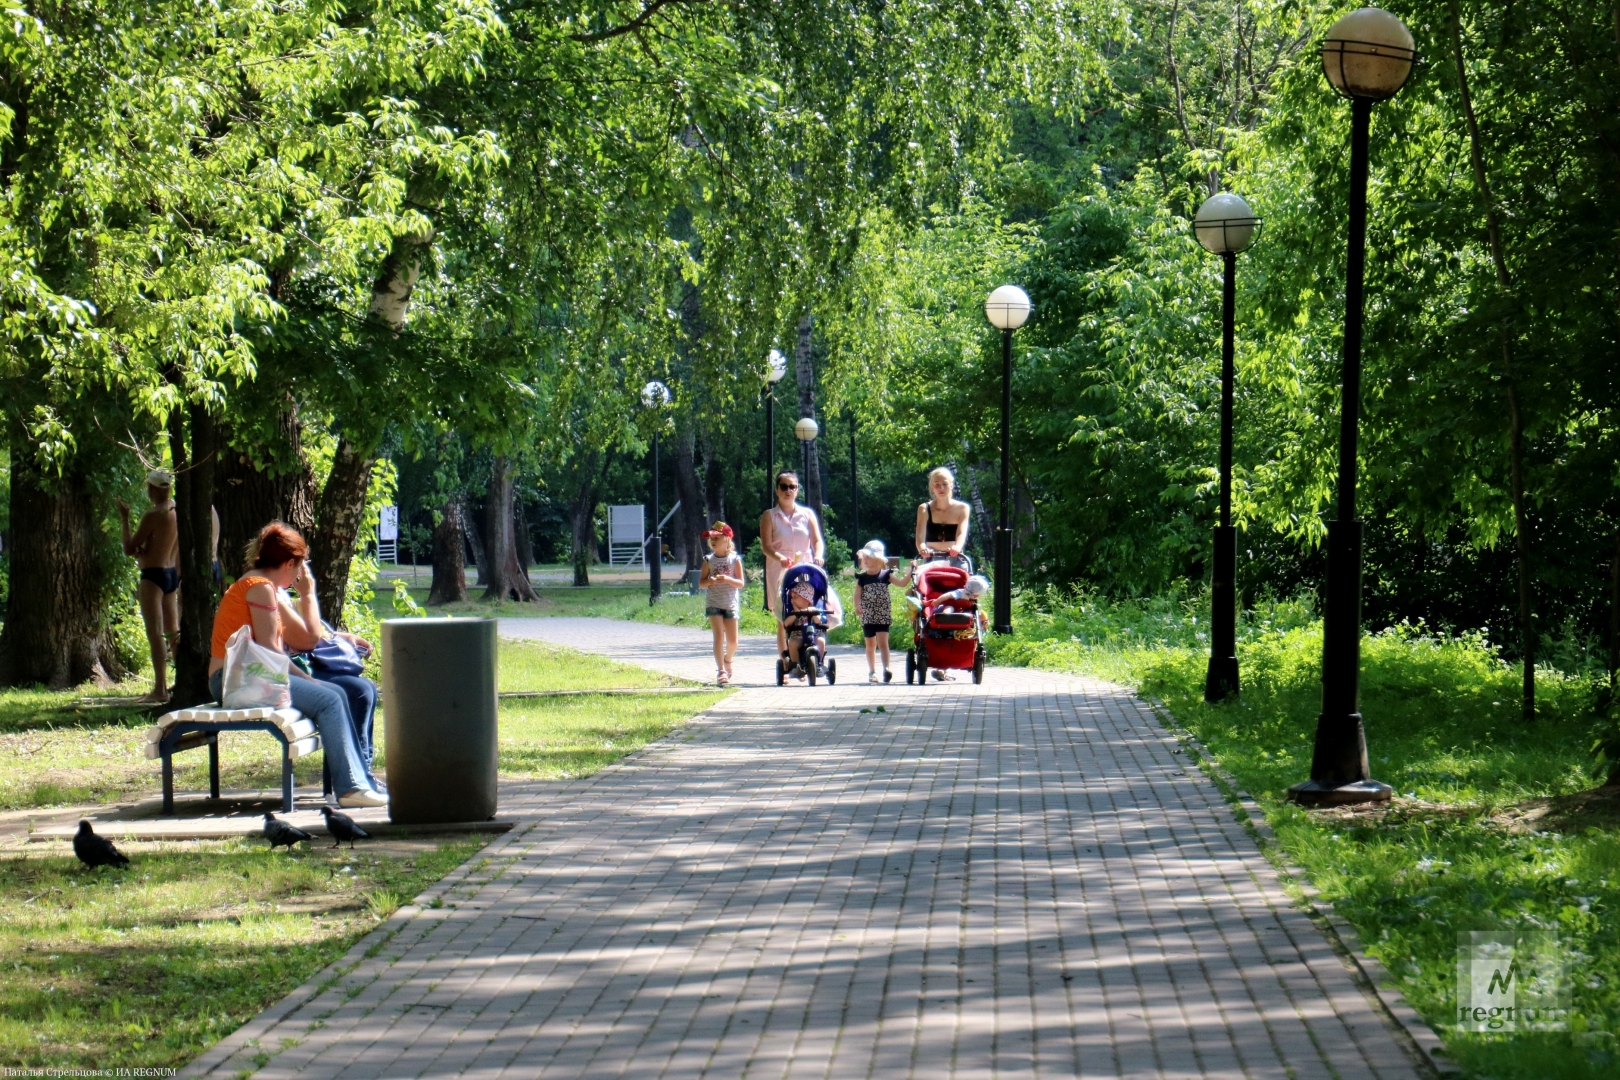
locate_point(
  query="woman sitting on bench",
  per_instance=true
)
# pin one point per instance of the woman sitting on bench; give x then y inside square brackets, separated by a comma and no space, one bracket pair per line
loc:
[276,559]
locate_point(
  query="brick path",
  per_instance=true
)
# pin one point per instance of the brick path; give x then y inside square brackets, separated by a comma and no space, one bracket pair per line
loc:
[1017,879]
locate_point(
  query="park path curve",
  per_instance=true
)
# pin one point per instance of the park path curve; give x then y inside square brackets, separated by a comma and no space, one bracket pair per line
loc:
[1023,878]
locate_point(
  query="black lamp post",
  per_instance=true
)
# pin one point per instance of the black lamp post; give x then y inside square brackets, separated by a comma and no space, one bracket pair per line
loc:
[1367,55]
[1007,308]
[1225,226]
[655,395]
[775,369]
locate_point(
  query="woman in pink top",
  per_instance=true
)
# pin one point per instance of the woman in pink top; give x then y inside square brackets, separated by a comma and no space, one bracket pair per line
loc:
[790,534]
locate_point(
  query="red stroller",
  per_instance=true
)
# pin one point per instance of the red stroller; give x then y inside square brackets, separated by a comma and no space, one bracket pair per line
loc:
[945,639]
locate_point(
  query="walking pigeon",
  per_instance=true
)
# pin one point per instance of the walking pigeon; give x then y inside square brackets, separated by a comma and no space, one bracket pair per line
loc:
[343,827]
[280,833]
[94,850]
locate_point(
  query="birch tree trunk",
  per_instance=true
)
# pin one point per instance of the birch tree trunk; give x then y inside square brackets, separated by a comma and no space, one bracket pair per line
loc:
[804,366]
[343,500]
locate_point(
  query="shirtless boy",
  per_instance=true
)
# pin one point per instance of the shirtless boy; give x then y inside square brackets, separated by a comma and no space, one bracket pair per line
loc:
[156,548]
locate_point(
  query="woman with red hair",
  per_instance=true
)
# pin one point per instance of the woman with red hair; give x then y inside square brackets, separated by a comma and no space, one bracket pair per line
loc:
[276,559]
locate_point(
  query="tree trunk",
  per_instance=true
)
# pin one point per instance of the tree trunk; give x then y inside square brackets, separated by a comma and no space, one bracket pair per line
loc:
[337,526]
[53,631]
[194,502]
[522,542]
[255,485]
[396,280]
[714,485]
[506,579]
[583,517]
[987,536]
[475,539]
[805,369]
[691,495]
[449,558]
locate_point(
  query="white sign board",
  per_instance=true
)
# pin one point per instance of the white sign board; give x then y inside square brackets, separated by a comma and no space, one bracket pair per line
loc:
[388,523]
[627,535]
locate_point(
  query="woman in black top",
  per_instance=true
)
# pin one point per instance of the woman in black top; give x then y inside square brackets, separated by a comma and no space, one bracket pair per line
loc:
[942,522]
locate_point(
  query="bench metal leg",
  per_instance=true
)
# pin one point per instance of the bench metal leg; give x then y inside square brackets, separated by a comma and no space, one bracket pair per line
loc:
[326,779]
[168,783]
[286,780]
[213,766]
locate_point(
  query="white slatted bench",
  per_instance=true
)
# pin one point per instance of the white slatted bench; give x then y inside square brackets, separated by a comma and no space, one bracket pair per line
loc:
[187,729]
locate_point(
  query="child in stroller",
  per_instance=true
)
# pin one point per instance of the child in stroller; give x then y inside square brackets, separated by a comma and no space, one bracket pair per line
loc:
[947,625]
[806,621]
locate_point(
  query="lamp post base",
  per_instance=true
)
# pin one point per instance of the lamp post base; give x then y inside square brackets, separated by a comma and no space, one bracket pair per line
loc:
[1312,793]
[1221,682]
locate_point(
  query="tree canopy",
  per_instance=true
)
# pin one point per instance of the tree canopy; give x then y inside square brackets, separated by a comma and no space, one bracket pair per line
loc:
[283,246]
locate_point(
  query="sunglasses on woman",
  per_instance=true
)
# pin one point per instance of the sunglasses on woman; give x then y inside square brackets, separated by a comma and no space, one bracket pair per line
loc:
[787,487]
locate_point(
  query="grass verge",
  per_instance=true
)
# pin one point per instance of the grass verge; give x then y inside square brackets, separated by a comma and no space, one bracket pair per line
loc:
[1489,831]
[149,966]
[84,747]
[563,738]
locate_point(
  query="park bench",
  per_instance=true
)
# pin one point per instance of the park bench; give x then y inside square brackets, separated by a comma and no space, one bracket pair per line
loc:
[187,729]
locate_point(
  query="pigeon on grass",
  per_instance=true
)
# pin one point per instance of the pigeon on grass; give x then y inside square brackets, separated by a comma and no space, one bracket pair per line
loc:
[280,833]
[343,827]
[94,850]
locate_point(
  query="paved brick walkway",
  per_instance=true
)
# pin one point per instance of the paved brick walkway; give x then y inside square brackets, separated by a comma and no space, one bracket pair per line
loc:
[1016,879]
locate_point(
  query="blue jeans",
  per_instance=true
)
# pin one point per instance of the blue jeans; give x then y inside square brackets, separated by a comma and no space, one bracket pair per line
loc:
[328,707]
[362,695]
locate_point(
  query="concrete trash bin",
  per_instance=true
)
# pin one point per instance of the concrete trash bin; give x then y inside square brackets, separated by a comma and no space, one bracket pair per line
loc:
[439,705]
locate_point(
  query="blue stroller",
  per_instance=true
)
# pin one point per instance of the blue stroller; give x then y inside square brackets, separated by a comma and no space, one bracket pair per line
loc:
[808,624]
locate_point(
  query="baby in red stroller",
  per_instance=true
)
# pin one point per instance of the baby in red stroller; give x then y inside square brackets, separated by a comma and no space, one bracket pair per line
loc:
[947,625]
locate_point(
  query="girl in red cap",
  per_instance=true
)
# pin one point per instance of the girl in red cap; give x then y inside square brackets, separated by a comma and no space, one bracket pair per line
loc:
[724,578]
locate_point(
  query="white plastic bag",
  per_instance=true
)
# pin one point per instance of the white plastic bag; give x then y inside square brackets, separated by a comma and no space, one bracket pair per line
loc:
[254,675]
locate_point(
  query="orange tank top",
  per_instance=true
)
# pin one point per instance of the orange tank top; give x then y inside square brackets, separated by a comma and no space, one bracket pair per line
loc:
[234,612]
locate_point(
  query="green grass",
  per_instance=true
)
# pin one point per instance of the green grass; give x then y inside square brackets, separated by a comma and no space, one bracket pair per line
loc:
[564,738]
[1443,727]
[84,747]
[149,966]
[534,666]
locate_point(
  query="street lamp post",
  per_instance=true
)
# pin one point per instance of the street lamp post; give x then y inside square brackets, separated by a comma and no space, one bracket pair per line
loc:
[1007,308]
[776,367]
[655,395]
[1367,56]
[1225,226]
[807,430]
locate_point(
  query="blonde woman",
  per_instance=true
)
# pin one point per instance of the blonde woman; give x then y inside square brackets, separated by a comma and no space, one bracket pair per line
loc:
[942,521]
[791,534]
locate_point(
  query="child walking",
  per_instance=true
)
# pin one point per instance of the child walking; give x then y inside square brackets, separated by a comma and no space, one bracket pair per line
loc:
[872,605]
[723,576]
